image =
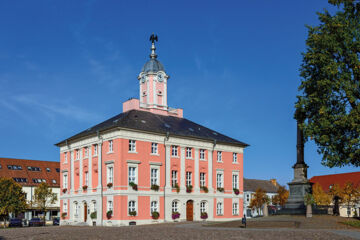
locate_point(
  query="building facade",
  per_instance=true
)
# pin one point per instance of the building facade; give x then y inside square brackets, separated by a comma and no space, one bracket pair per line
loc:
[29,174]
[150,160]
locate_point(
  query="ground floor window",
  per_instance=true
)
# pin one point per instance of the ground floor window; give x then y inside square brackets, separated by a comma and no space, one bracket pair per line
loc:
[202,207]
[154,206]
[219,208]
[174,206]
[235,209]
[132,206]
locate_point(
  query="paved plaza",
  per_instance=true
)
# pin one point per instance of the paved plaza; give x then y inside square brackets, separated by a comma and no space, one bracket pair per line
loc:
[278,227]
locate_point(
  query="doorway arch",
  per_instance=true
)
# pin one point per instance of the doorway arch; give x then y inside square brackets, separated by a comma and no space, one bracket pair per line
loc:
[85,211]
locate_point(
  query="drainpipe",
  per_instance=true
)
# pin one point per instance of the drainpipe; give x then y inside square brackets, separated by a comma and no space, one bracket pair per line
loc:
[101,190]
[165,139]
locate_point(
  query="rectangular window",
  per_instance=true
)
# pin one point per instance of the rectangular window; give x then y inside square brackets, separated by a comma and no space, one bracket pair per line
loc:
[65,157]
[132,206]
[235,210]
[234,157]
[202,179]
[132,146]
[219,208]
[219,181]
[77,154]
[174,178]
[95,150]
[154,206]
[202,207]
[174,206]
[154,177]
[87,178]
[48,169]
[219,156]
[188,178]
[174,151]
[110,146]
[65,207]
[188,152]
[86,150]
[235,179]
[247,197]
[202,154]
[65,181]
[132,175]
[110,206]
[110,175]
[154,148]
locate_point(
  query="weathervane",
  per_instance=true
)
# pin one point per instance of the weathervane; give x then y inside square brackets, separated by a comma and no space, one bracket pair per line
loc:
[153,38]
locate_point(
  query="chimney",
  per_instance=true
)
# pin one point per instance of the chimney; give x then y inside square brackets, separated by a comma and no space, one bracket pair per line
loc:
[273,181]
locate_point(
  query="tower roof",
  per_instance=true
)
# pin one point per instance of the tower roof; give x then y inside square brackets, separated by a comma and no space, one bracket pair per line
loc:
[153,65]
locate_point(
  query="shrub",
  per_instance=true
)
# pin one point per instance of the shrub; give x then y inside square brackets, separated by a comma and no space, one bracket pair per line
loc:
[177,188]
[85,187]
[93,215]
[109,214]
[109,185]
[63,215]
[220,189]
[236,191]
[175,215]
[134,186]
[132,213]
[155,187]
[155,215]
[189,188]
[205,189]
[204,215]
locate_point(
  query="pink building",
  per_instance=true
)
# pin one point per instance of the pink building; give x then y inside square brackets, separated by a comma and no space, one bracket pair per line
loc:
[149,164]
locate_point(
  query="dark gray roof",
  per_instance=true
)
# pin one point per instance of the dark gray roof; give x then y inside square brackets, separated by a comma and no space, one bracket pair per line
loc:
[153,65]
[251,185]
[150,122]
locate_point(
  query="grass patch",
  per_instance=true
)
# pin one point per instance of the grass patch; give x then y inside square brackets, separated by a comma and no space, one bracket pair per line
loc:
[353,223]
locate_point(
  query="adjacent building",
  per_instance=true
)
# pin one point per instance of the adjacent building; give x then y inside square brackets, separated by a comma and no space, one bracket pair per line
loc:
[250,186]
[150,160]
[29,174]
[328,181]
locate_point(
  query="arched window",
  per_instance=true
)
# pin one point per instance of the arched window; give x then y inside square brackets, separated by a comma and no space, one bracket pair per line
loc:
[76,209]
[93,206]
[154,206]
[174,206]
[203,207]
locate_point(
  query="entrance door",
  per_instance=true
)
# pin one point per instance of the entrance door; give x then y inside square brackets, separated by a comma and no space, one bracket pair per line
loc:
[85,212]
[189,210]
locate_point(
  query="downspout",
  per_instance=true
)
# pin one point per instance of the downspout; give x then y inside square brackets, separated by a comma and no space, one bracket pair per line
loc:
[165,139]
[101,186]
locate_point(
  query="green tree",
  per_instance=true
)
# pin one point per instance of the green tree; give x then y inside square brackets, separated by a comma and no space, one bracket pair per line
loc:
[44,197]
[328,107]
[12,198]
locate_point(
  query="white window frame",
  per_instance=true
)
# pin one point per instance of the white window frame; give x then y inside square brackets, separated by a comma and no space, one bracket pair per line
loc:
[87,178]
[175,206]
[202,179]
[76,209]
[219,179]
[202,154]
[154,176]
[203,207]
[110,206]
[189,152]
[86,152]
[174,151]
[247,197]
[219,156]
[95,149]
[154,148]
[219,208]
[111,146]
[132,206]
[65,157]
[134,173]
[235,208]
[154,206]
[132,146]
[65,208]
[93,206]
[235,157]
[188,178]
[65,180]
[77,154]
[110,174]
[174,178]
[235,180]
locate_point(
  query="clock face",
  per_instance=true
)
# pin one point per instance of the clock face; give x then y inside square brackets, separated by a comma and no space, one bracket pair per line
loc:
[160,77]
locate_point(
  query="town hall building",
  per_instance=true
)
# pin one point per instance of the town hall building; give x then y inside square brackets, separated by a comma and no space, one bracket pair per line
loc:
[150,164]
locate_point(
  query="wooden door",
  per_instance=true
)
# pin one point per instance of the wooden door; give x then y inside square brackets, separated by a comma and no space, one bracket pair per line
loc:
[189,210]
[85,212]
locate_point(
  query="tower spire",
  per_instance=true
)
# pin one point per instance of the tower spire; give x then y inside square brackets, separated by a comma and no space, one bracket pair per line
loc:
[153,38]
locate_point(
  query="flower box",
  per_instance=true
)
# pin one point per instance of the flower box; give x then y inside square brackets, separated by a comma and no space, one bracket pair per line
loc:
[220,189]
[204,215]
[155,215]
[134,186]
[155,187]
[177,188]
[175,215]
[63,215]
[109,214]
[109,185]
[236,191]
[64,190]
[189,188]
[205,189]
[132,213]
[85,188]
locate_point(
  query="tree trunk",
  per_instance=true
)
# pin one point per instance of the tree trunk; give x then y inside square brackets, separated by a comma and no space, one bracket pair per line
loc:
[308,210]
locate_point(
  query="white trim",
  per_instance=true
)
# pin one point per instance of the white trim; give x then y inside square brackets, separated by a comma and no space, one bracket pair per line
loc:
[133,161]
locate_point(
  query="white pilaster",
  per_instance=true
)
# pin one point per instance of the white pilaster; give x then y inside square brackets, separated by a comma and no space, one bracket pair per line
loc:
[147,90]
[165,93]
[90,167]
[196,174]
[182,170]
[99,165]
[71,186]
[81,170]
[154,91]
[168,167]
[210,170]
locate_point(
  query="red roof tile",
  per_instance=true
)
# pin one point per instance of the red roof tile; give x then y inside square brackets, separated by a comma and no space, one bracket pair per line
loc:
[327,180]
[24,172]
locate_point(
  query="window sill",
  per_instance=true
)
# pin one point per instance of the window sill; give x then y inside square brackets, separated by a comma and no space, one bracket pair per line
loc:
[132,152]
[154,154]
[189,158]
[204,160]
[110,152]
[95,155]
[175,156]
[219,214]
[219,161]
[235,163]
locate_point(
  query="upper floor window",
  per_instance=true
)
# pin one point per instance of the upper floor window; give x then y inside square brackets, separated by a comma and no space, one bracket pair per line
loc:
[235,182]
[219,180]
[202,179]
[234,157]
[235,209]
[54,181]
[153,206]
[36,169]
[77,154]
[86,178]
[20,180]
[154,179]
[14,167]
[65,181]
[188,152]
[132,175]
[202,154]
[132,146]
[110,175]
[95,150]
[110,145]
[86,150]
[219,156]
[65,209]
[174,151]
[110,206]
[154,148]
[48,169]
[219,208]
[57,169]
[173,178]
[188,178]
[65,157]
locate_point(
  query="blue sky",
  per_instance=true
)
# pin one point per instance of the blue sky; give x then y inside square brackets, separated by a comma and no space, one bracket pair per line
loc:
[234,67]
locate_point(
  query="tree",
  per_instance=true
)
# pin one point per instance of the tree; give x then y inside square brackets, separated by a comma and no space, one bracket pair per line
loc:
[337,196]
[44,197]
[12,198]
[281,197]
[320,196]
[351,195]
[328,107]
[258,200]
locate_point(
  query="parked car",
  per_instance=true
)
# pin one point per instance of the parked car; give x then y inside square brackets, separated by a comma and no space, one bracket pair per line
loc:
[56,221]
[36,222]
[15,222]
